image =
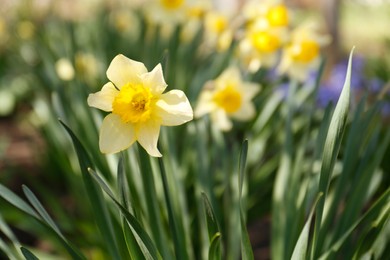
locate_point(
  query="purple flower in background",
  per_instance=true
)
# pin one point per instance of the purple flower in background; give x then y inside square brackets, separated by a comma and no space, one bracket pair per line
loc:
[330,90]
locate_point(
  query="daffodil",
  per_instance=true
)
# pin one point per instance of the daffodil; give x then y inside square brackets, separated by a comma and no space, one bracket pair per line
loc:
[274,12]
[260,45]
[302,53]
[218,30]
[227,97]
[138,106]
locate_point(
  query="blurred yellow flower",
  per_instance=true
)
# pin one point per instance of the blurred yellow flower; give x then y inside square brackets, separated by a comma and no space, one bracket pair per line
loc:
[138,106]
[260,45]
[227,97]
[302,53]
[64,69]
[218,31]
[274,12]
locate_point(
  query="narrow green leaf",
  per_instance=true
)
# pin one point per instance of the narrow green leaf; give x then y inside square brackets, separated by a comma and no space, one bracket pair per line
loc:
[12,198]
[331,150]
[41,210]
[215,247]
[131,242]
[212,222]
[27,254]
[179,239]
[144,241]
[301,247]
[20,204]
[246,247]
[95,195]
[153,208]
[241,166]
[381,204]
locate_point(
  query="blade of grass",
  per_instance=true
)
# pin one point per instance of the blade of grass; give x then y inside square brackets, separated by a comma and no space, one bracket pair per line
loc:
[331,149]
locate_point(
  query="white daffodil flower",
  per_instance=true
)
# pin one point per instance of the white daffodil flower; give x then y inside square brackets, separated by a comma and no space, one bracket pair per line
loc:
[138,106]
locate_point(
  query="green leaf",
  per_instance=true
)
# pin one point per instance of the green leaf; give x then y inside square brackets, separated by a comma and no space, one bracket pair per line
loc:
[301,247]
[331,150]
[241,166]
[20,204]
[215,247]
[95,195]
[246,247]
[12,198]
[179,239]
[41,210]
[212,222]
[27,254]
[145,243]
[381,204]
[131,241]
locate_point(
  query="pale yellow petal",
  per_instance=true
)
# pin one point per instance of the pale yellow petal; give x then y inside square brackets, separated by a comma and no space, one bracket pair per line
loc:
[147,136]
[205,104]
[246,112]
[103,99]
[174,108]
[115,135]
[123,70]
[155,80]
[221,120]
[250,90]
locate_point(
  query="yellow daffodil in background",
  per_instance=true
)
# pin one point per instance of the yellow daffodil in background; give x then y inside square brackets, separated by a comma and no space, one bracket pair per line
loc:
[302,53]
[260,45]
[195,12]
[274,12]
[227,97]
[165,14]
[138,106]
[218,31]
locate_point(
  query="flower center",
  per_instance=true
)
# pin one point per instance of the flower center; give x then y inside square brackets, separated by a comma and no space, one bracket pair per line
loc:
[216,23]
[134,103]
[277,16]
[306,51]
[172,4]
[229,99]
[265,41]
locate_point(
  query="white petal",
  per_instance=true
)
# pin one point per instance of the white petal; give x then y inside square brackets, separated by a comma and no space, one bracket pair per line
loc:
[205,104]
[155,80]
[246,112]
[250,90]
[115,135]
[147,136]
[174,108]
[221,120]
[103,99]
[123,70]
